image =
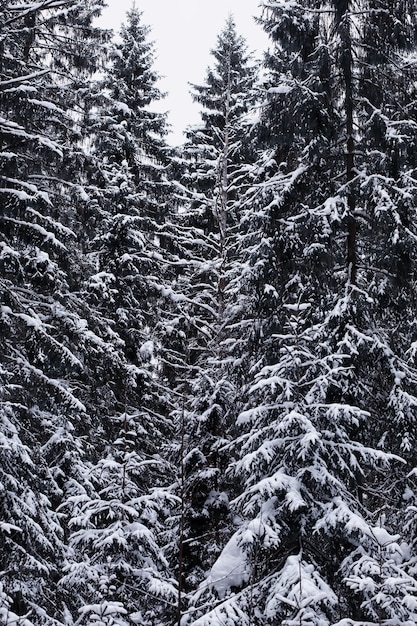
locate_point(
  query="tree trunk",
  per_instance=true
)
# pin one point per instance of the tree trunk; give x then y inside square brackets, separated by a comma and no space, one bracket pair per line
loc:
[346,58]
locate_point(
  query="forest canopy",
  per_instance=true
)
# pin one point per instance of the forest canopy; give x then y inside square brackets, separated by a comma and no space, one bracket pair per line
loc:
[208,375]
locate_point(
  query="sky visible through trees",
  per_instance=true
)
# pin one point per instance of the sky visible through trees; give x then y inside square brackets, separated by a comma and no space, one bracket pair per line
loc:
[208,375]
[184,32]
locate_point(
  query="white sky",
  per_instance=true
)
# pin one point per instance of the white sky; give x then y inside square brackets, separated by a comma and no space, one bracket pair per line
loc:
[184,32]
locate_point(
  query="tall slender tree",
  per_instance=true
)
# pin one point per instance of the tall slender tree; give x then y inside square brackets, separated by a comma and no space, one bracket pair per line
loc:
[216,154]
[116,537]
[326,378]
[55,351]
[137,200]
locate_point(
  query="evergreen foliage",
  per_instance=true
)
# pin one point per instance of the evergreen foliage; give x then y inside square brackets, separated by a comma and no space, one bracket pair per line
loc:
[133,161]
[47,49]
[115,536]
[324,374]
[208,381]
[216,155]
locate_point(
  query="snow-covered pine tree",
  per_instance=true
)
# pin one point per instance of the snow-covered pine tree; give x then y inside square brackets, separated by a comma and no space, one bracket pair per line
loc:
[60,362]
[385,241]
[319,540]
[137,196]
[33,254]
[118,572]
[117,569]
[218,149]
[216,155]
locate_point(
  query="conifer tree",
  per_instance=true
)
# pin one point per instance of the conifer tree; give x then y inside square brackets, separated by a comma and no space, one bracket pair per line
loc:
[117,568]
[326,379]
[136,197]
[216,155]
[217,149]
[116,533]
[54,348]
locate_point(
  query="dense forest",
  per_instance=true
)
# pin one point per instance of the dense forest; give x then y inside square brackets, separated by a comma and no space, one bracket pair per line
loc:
[208,353]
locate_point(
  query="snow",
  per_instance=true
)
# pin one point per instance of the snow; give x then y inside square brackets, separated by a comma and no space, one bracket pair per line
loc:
[123,107]
[299,586]
[8,528]
[46,104]
[277,407]
[7,251]
[26,77]
[230,569]
[287,5]
[82,194]
[18,193]
[383,537]
[281,89]
[36,228]
[337,513]
[248,416]
[105,608]
[8,127]
[228,613]
[299,306]
[8,618]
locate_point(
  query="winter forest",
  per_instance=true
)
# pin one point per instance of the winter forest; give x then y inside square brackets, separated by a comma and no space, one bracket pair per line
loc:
[208,353]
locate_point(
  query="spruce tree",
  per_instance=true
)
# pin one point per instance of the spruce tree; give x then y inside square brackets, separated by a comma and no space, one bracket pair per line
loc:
[134,160]
[216,154]
[58,357]
[217,150]
[117,571]
[323,472]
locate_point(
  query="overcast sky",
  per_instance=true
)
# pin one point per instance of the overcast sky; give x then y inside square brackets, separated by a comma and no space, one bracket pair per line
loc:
[184,32]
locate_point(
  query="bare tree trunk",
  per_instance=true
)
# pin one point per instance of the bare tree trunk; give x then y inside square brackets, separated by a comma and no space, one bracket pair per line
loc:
[223,197]
[346,59]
